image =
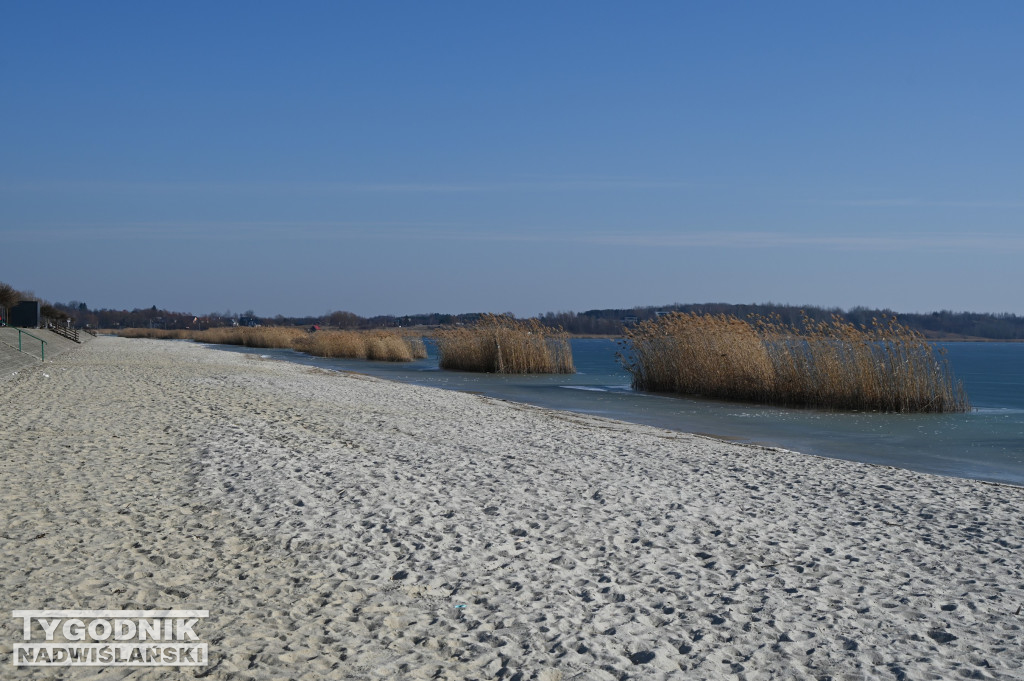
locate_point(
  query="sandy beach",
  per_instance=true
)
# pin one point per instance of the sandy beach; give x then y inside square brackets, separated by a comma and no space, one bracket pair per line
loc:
[338,526]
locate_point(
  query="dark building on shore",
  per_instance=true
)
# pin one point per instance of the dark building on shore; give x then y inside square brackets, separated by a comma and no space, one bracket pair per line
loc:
[26,314]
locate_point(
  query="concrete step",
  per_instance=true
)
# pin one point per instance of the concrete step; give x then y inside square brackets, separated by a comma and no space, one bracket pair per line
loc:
[12,361]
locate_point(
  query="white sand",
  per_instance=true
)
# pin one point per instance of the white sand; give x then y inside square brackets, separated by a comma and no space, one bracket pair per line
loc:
[334,524]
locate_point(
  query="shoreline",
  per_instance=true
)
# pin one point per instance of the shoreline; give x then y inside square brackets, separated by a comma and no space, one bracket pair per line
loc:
[725,439]
[333,524]
[425,332]
[790,441]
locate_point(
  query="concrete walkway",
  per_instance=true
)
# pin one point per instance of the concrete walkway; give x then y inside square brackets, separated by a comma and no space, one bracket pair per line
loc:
[12,361]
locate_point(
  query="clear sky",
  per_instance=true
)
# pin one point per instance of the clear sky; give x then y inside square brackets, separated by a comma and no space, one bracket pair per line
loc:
[408,157]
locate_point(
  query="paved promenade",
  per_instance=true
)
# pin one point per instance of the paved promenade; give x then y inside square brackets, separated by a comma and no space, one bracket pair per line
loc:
[12,361]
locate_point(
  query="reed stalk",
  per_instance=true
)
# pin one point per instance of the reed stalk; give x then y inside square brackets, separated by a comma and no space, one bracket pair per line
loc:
[831,365]
[500,344]
[389,346]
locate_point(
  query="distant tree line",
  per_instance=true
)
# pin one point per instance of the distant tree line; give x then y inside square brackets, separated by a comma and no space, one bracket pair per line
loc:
[937,325]
[611,321]
[153,317]
[10,296]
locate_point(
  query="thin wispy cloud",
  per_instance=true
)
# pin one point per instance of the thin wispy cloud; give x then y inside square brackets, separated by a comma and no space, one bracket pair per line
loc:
[217,231]
[188,188]
[522,184]
[317,187]
[767,240]
[914,203]
[627,237]
[761,240]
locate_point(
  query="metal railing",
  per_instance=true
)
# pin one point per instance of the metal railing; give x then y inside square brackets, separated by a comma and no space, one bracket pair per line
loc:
[42,344]
[69,333]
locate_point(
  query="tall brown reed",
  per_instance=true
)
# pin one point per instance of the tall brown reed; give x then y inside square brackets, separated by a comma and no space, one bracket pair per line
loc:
[252,336]
[387,346]
[164,334]
[502,345]
[831,365]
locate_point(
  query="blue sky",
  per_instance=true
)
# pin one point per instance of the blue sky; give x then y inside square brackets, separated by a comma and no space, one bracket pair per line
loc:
[406,157]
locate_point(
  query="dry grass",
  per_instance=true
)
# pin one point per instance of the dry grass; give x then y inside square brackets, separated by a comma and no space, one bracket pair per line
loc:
[348,344]
[503,345]
[832,365]
[166,334]
[252,336]
[385,346]
[388,346]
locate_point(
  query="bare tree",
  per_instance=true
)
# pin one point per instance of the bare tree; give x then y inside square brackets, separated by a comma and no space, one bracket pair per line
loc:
[9,297]
[50,312]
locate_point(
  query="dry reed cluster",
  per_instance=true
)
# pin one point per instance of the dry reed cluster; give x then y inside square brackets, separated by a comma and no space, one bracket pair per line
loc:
[831,365]
[252,337]
[500,344]
[163,334]
[385,346]
[388,346]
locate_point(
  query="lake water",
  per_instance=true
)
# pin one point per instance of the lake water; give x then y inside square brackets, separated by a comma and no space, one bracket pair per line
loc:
[985,444]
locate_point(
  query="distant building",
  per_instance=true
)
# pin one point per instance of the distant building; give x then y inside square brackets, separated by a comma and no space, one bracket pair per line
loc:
[248,321]
[25,314]
[629,321]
